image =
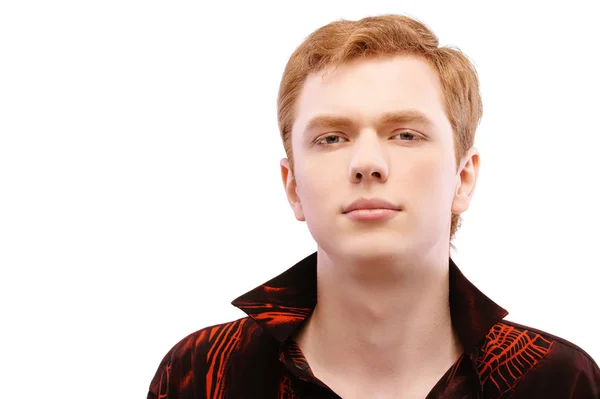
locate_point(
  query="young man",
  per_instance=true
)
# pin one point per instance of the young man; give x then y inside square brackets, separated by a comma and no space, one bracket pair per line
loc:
[378,124]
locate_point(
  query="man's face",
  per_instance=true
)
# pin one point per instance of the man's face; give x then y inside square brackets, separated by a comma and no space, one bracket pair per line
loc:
[346,149]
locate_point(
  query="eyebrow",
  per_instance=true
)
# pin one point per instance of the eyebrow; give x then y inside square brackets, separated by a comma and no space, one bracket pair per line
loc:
[389,118]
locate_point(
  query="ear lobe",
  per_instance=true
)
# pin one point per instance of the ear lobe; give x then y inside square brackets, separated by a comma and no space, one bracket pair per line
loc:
[290,187]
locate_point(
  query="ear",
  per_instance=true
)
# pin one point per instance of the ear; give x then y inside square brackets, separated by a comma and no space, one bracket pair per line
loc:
[289,184]
[466,181]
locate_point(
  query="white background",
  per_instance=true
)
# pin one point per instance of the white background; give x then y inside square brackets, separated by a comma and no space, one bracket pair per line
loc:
[140,188]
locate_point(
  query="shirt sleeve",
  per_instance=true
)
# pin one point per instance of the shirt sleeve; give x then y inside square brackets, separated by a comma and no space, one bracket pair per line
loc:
[182,372]
[159,386]
[566,373]
[587,384]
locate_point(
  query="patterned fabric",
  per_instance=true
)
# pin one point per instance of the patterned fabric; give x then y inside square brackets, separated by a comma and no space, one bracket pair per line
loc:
[255,356]
[508,354]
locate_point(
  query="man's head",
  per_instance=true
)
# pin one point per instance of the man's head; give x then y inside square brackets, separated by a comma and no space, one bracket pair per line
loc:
[374,109]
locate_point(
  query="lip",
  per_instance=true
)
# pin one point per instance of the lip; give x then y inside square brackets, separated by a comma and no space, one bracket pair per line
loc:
[370,203]
[371,215]
[373,209]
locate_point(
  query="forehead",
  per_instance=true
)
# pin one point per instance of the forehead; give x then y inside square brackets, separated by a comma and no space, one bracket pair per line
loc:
[366,90]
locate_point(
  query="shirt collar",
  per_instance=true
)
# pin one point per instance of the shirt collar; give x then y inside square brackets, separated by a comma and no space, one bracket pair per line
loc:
[281,304]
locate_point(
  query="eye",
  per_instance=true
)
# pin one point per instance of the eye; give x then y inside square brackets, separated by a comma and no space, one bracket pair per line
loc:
[407,135]
[331,139]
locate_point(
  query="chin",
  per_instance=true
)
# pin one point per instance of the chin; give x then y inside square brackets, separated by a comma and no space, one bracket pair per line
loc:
[370,249]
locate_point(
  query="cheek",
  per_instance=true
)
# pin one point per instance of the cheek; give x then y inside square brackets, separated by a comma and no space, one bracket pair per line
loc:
[430,179]
[314,188]
[322,191]
[318,176]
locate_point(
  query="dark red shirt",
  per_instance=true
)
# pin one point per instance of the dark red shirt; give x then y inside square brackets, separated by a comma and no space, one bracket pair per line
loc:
[255,356]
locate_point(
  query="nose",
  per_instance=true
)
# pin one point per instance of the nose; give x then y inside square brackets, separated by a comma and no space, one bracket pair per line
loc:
[368,161]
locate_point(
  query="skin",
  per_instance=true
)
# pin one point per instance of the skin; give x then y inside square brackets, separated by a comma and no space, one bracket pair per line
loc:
[382,325]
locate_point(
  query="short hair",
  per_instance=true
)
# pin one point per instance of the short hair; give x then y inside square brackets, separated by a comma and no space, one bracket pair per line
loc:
[385,35]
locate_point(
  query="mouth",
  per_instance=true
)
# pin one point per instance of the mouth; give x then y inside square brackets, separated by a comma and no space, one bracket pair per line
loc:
[371,215]
[370,204]
[371,210]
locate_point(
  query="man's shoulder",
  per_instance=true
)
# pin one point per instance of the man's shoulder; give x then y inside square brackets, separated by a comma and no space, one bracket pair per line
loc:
[202,341]
[508,335]
[514,354]
[202,351]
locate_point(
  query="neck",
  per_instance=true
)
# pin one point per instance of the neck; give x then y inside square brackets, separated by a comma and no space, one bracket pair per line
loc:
[386,317]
